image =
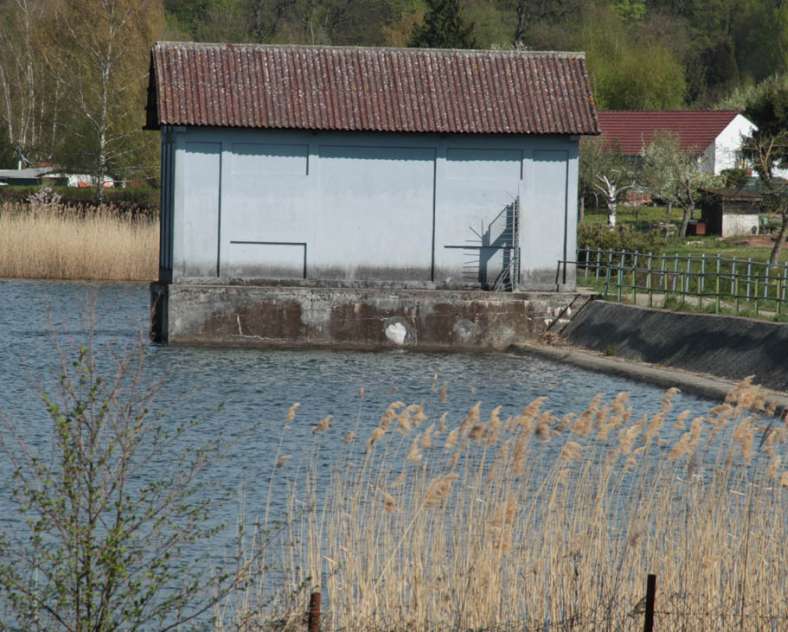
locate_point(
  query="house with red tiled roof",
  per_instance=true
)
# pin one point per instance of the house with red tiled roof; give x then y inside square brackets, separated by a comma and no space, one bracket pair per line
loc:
[715,136]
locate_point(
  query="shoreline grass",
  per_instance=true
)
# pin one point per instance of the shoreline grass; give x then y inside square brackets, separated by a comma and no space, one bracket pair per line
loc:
[534,522]
[52,241]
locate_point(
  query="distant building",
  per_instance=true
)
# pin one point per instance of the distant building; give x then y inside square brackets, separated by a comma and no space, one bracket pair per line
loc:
[431,168]
[49,176]
[31,176]
[715,136]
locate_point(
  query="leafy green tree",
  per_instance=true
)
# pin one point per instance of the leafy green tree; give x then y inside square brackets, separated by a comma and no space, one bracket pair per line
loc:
[222,21]
[30,93]
[443,27]
[674,175]
[528,15]
[629,69]
[101,544]
[103,55]
[630,9]
[767,149]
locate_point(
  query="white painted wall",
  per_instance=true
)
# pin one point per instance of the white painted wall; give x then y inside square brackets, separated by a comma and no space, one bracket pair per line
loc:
[734,224]
[382,207]
[728,144]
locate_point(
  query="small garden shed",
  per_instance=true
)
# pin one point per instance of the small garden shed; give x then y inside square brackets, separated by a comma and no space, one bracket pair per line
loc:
[425,168]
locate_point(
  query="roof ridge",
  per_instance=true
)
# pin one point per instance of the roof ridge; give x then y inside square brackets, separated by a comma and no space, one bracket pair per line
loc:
[406,50]
[702,111]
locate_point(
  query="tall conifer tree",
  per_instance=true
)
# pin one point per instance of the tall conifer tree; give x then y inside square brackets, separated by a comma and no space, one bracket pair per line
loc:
[443,27]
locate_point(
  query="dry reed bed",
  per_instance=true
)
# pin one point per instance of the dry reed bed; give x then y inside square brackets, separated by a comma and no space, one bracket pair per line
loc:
[533,522]
[51,241]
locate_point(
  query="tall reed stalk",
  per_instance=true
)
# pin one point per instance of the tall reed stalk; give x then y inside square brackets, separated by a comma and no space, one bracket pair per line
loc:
[536,522]
[51,241]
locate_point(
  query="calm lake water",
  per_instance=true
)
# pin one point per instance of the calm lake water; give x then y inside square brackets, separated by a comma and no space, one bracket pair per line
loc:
[241,396]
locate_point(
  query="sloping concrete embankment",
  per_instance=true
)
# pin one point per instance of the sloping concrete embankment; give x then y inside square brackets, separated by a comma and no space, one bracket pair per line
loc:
[724,346]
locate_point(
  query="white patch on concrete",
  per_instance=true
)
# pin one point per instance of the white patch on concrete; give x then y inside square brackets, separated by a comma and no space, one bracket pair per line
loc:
[396,332]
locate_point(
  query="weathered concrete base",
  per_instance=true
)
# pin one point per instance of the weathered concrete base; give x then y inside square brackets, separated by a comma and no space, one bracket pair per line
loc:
[347,317]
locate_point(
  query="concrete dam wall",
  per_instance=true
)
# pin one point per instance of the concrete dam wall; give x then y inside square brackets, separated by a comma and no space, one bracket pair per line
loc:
[725,346]
[350,317]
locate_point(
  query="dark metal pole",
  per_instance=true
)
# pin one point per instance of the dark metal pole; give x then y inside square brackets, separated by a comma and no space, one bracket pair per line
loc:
[651,593]
[314,612]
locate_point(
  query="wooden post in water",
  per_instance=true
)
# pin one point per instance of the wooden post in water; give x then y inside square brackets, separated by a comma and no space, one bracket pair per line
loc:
[651,595]
[314,612]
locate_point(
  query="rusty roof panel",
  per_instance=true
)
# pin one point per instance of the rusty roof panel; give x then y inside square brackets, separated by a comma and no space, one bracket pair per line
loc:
[370,89]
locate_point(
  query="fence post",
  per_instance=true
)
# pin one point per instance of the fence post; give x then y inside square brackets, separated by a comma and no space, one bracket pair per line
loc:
[702,280]
[675,271]
[598,261]
[718,288]
[651,595]
[649,280]
[635,259]
[314,612]
[749,276]
[735,283]
[620,276]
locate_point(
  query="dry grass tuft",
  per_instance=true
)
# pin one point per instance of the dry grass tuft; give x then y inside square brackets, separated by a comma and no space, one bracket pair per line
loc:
[56,242]
[512,532]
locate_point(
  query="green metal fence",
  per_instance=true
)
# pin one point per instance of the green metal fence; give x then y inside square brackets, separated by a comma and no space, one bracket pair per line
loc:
[710,283]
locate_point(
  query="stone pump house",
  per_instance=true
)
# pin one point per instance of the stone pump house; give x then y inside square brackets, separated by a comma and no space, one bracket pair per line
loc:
[341,167]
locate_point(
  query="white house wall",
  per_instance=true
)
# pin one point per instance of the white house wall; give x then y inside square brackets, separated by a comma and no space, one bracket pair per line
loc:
[727,146]
[365,207]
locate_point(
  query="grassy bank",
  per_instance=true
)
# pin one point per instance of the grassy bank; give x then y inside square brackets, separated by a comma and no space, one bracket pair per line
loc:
[56,242]
[535,522]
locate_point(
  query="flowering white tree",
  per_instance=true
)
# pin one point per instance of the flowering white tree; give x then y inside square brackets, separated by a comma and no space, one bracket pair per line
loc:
[604,169]
[675,175]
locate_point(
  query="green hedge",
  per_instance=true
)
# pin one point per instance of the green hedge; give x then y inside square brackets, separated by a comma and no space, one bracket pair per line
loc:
[619,238]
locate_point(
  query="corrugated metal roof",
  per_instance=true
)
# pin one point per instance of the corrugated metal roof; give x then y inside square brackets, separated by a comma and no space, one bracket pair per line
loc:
[370,89]
[634,130]
[30,173]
